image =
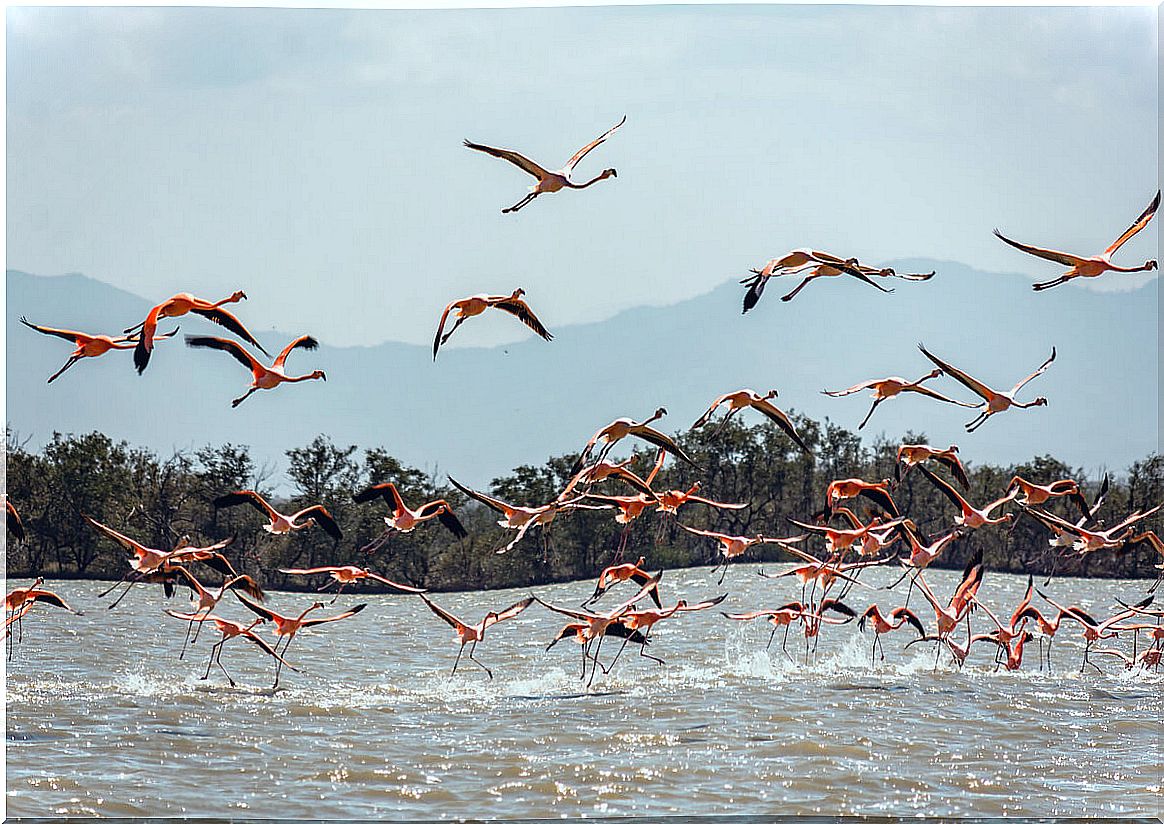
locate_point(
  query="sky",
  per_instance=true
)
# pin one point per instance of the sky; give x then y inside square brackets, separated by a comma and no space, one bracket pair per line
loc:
[313,158]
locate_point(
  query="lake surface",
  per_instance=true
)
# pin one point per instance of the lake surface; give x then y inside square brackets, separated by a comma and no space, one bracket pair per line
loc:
[104,719]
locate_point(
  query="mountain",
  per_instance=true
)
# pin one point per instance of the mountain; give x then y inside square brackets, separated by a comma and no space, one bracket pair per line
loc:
[476,413]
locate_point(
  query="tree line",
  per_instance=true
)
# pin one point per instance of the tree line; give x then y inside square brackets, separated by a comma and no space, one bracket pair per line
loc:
[159,500]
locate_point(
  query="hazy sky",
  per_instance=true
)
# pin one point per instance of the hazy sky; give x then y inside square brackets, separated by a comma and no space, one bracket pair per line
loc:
[314,158]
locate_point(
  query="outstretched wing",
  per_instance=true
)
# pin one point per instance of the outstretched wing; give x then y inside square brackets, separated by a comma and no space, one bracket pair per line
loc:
[654,436]
[15,524]
[509,612]
[943,487]
[706,416]
[1034,374]
[520,310]
[446,616]
[520,161]
[585,150]
[301,342]
[1047,254]
[954,464]
[975,386]
[113,534]
[492,503]
[226,319]
[387,491]
[436,342]
[232,348]
[65,334]
[930,393]
[246,496]
[777,415]
[394,585]
[445,515]
[1140,223]
[322,517]
[312,622]
[840,393]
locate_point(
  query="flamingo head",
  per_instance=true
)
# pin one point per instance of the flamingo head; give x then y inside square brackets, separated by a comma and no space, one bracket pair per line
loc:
[953,448]
[933,374]
[1151,264]
[1040,401]
[772,393]
[660,412]
[608,173]
[318,374]
[517,293]
[237,296]
[887,272]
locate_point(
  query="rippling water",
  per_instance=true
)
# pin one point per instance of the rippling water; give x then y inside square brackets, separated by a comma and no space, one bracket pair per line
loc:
[103,719]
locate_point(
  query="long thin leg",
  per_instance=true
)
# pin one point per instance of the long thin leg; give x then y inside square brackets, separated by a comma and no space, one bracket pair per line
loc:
[784,643]
[124,578]
[520,203]
[1038,287]
[643,649]
[870,414]
[473,647]
[126,592]
[772,636]
[594,669]
[213,650]
[971,427]
[457,661]
[221,667]
[237,401]
[61,371]
[279,663]
[796,291]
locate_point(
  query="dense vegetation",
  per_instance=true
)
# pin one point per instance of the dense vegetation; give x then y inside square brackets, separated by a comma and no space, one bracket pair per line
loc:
[158,500]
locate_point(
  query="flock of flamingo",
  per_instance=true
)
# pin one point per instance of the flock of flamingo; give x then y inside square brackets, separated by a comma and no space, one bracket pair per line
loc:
[851,541]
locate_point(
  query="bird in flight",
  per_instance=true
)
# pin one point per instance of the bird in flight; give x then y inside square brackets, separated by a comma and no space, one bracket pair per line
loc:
[476,304]
[992,402]
[181,304]
[88,346]
[1096,265]
[262,377]
[550,181]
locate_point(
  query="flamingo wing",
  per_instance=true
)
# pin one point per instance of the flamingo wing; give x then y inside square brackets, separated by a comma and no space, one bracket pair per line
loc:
[232,348]
[301,342]
[975,386]
[520,161]
[311,622]
[113,534]
[507,613]
[954,464]
[246,496]
[1140,223]
[703,604]
[777,415]
[15,524]
[394,585]
[312,571]
[322,517]
[445,515]
[840,393]
[65,334]
[706,416]
[52,598]
[654,436]
[493,503]
[585,150]
[436,342]
[446,616]
[229,321]
[1047,254]
[1034,374]
[882,498]
[930,393]
[520,310]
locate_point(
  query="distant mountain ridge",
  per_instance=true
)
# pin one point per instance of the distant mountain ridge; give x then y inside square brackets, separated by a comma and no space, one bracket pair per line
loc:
[477,413]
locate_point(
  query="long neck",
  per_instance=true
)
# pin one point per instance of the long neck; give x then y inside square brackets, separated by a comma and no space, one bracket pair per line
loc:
[587,183]
[1143,268]
[302,378]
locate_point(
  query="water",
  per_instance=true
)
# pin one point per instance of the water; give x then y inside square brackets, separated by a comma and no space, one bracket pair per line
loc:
[103,719]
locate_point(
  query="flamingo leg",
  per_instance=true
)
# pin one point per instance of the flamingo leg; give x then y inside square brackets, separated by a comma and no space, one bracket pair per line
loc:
[221,667]
[784,643]
[643,649]
[594,669]
[123,594]
[237,401]
[279,662]
[772,636]
[473,647]
[210,663]
[1047,284]
[977,422]
[521,203]
[796,291]
[457,660]
[61,371]
[872,409]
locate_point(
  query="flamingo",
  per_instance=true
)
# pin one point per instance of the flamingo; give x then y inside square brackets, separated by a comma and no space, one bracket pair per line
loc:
[476,304]
[1092,540]
[404,519]
[20,600]
[147,562]
[818,264]
[1094,630]
[897,618]
[470,634]
[617,573]
[579,632]
[911,454]
[283,524]
[15,524]
[884,388]
[88,346]
[203,601]
[522,518]
[970,517]
[286,627]
[672,499]
[262,377]
[949,616]
[1155,542]
[603,470]
[344,575]
[732,546]
[783,616]
[620,428]
[229,629]
[1047,629]
[1089,267]
[1010,654]
[838,540]
[550,181]
[1036,494]
[178,305]
[1149,658]
[1013,629]
[598,623]
[750,398]
[992,402]
[877,492]
[638,620]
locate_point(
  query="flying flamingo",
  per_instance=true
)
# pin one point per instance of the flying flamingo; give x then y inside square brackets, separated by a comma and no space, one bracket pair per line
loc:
[404,519]
[1047,629]
[147,561]
[949,616]
[286,627]
[750,398]
[992,402]
[1094,630]
[672,499]
[88,346]
[618,573]
[884,388]
[881,624]
[262,377]
[783,616]
[733,546]
[911,454]
[522,518]
[550,181]
[179,305]
[20,600]
[603,470]
[1092,540]
[970,517]
[638,620]
[818,264]
[15,524]
[1089,267]
[620,428]
[476,304]
[282,524]
[1036,494]
[1010,653]
[579,632]
[838,540]
[470,634]
[203,601]
[848,488]
[229,629]
[344,575]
